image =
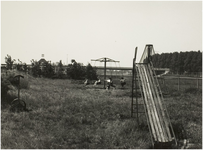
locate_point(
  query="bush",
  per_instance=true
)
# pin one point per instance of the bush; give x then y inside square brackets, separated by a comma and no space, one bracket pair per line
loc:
[77,71]
[90,72]
[8,83]
[14,81]
[4,87]
[6,98]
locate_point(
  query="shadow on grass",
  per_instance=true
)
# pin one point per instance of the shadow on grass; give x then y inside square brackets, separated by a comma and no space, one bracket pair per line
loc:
[180,133]
[6,101]
[125,117]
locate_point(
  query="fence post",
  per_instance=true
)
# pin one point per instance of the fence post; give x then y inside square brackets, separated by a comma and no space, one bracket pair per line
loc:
[178,83]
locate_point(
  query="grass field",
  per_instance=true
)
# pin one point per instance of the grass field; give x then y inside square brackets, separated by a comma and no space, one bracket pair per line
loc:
[67,115]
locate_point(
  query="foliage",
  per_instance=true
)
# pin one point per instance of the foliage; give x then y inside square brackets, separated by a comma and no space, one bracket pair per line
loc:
[36,71]
[9,62]
[179,63]
[44,69]
[12,80]
[48,70]
[78,71]
[6,98]
[21,66]
[60,72]
[90,72]
[4,87]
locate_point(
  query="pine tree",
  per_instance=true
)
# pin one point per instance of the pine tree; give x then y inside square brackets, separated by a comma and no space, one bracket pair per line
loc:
[174,63]
[179,62]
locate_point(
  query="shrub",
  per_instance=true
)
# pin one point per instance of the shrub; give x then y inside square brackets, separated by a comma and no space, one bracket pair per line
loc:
[76,71]
[6,98]
[9,62]
[90,72]
[48,70]
[4,87]
[36,71]
[14,81]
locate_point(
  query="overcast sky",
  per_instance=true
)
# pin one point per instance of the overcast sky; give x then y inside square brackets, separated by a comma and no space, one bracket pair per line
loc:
[90,30]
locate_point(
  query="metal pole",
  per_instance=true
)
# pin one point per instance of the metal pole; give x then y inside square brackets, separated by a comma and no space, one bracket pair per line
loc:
[133,79]
[104,72]
[133,72]
[148,54]
[136,78]
[19,88]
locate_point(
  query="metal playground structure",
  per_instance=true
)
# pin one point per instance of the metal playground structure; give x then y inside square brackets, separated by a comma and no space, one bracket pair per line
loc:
[105,60]
[144,81]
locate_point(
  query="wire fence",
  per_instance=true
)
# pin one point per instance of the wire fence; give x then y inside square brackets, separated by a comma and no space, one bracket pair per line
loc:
[176,83]
[180,83]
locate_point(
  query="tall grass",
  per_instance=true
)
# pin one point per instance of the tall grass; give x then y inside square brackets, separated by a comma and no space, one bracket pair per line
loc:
[66,115]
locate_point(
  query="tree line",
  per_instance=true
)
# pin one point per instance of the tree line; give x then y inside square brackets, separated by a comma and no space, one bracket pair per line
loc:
[47,69]
[179,63]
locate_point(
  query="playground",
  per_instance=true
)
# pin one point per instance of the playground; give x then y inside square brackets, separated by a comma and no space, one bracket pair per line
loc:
[74,116]
[79,116]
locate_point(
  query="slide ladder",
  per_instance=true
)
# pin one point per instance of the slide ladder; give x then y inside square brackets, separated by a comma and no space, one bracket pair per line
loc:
[145,81]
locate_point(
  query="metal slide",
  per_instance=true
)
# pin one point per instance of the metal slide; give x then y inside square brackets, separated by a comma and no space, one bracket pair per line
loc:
[157,116]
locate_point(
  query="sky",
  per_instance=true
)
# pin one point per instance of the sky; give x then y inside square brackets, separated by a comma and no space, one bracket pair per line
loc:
[85,30]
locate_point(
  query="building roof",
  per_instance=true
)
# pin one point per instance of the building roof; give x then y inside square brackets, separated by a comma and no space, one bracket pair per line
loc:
[42,60]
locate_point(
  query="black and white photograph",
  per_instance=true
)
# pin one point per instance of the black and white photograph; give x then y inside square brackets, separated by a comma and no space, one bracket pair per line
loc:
[101,74]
